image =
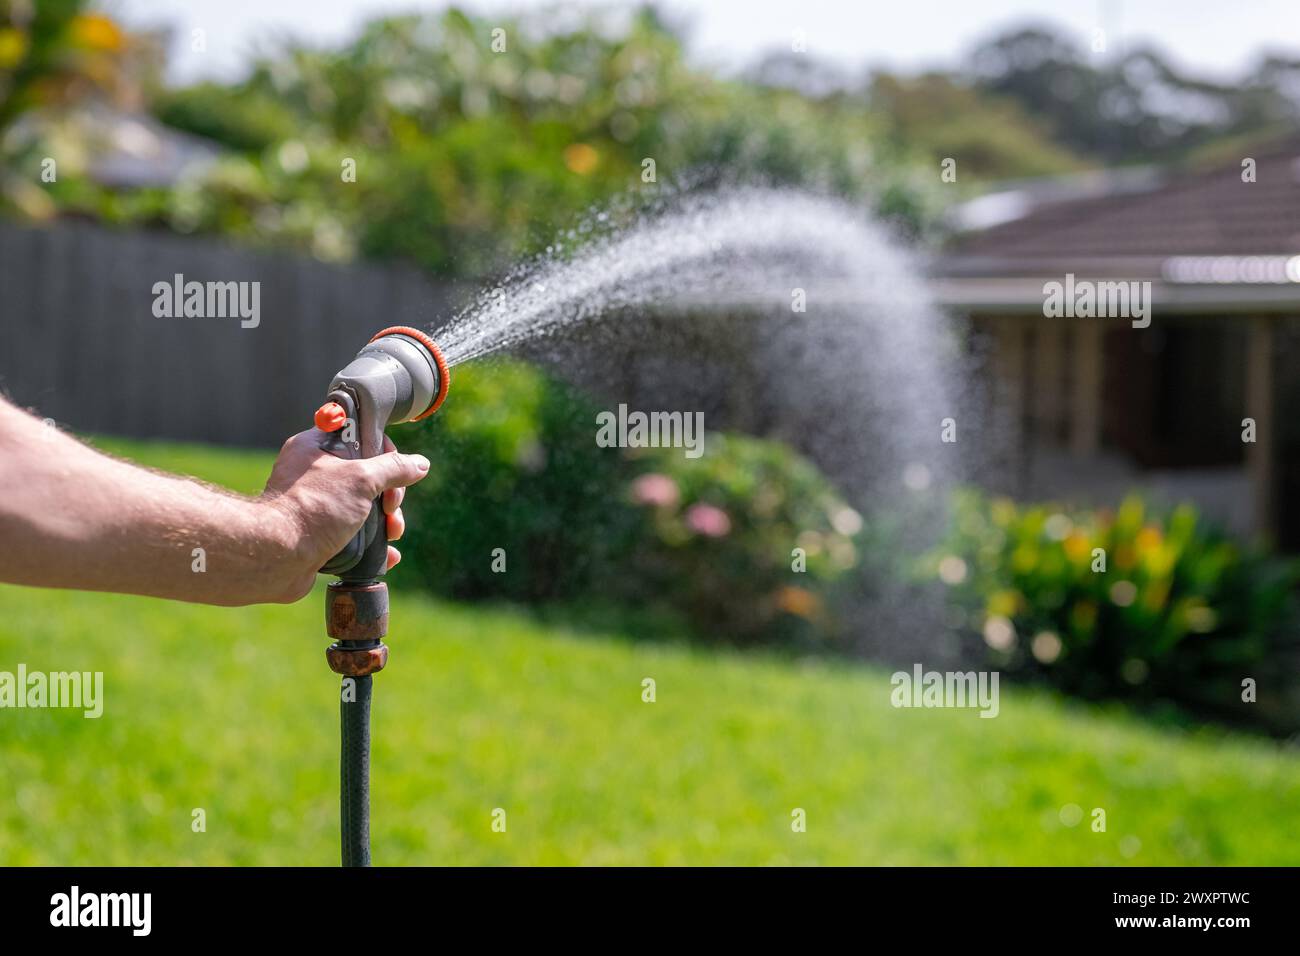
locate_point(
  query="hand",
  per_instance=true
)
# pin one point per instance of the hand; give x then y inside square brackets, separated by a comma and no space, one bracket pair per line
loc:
[74,518]
[323,501]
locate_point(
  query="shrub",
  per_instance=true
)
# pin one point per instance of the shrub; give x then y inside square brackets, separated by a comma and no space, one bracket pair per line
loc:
[515,466]
[1129,604]
[721,536]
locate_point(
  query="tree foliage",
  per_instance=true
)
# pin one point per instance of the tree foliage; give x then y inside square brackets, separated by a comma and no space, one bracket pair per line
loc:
[475,140]
[1136,106]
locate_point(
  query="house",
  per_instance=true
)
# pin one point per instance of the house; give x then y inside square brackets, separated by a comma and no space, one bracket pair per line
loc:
[119,148]
[1194,405]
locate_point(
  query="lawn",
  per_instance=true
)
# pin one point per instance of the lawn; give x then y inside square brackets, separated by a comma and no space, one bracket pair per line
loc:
[234,712]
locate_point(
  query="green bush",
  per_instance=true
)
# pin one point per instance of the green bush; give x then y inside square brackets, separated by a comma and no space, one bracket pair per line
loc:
[1128,604]
[251,123]
[708,541]
[514,466]
[718,534]
[466,159]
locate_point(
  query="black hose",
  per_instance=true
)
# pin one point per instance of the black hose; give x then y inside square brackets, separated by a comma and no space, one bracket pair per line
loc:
[354,771]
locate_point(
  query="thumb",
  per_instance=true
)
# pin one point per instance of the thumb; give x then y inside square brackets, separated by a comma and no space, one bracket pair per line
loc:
[395,470]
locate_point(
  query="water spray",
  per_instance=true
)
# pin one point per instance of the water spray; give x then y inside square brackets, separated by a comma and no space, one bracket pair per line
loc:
[744,248]
[400,376]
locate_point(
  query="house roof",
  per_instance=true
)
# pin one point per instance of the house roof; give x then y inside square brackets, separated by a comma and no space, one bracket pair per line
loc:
[1207,240]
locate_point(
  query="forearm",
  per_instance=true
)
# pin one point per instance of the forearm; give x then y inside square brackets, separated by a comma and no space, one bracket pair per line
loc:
[72,517]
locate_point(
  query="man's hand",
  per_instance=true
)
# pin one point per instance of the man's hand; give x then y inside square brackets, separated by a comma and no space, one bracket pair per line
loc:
[326,499]
[74,518]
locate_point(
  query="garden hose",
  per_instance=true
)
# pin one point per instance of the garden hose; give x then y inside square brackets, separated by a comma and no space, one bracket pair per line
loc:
[354,773]
[399,376]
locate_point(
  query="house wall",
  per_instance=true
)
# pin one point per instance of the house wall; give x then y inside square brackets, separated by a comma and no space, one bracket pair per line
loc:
[1098,411]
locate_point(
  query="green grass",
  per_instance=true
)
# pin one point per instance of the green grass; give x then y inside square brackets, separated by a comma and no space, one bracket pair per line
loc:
[235,712]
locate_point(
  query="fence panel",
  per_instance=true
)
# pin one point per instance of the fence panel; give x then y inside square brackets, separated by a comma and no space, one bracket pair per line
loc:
[79,341]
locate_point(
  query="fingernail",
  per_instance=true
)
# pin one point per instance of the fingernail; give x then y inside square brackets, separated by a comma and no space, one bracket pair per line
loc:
[421,462]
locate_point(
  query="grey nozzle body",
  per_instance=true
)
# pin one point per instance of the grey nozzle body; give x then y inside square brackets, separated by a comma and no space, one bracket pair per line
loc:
[393,379]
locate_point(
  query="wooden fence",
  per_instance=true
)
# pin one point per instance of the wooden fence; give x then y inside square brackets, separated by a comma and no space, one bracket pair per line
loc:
[79,341]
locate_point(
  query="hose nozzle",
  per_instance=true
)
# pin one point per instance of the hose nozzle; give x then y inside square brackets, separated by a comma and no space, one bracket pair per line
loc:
[399,376]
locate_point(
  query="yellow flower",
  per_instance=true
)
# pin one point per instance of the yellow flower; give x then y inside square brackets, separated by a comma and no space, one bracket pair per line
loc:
[581,158]
[13,47]
[1003,511]
[1024,558]
[94,31]
[798,601]
[1148,539]
[1076,547]
[1003,603]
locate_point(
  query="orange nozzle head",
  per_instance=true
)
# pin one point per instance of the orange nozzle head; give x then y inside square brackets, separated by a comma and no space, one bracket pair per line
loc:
[330,417]
[444,374]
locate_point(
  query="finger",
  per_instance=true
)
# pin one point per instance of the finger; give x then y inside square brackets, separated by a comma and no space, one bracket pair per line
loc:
[396,524]
[393,496]
[393,557]
[394,470]
[312,438]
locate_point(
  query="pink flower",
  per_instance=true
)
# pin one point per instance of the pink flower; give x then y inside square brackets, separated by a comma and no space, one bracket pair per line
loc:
[658,490]
[707,520]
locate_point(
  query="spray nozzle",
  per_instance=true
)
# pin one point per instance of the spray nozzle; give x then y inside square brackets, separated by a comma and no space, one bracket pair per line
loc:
[399,376]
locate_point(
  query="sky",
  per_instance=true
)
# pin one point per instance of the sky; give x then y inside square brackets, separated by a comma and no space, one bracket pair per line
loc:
[1214,37]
